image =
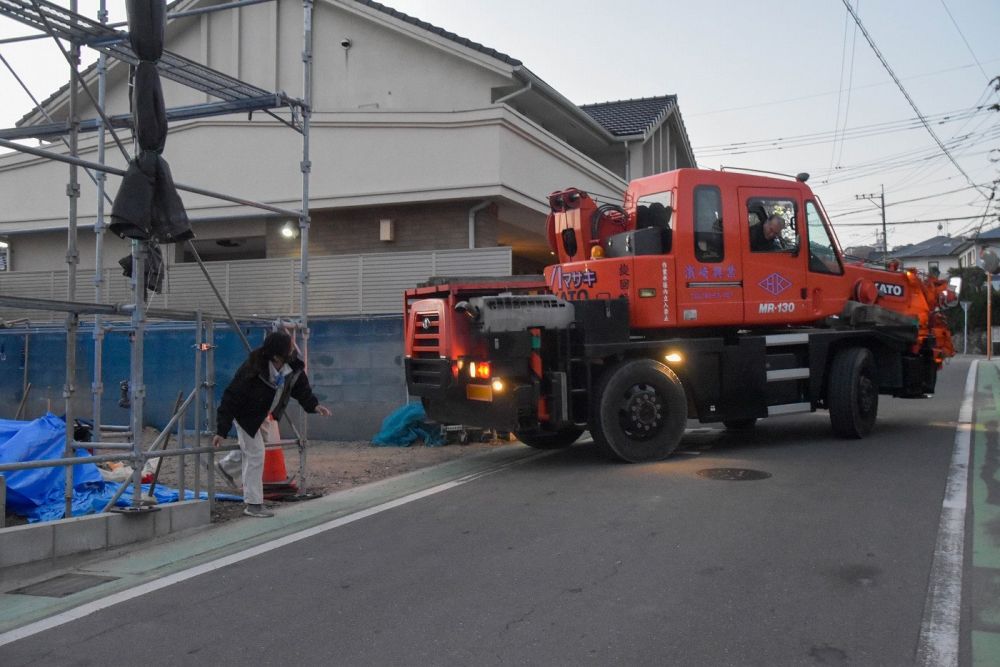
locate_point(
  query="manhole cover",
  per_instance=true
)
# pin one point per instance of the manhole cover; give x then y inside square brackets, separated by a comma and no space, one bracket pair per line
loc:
[733,474]
[63,585]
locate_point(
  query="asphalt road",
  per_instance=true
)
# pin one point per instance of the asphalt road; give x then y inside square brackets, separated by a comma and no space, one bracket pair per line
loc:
[568,559]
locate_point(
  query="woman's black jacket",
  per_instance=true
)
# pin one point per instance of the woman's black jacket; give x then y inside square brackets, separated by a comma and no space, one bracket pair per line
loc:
[249,396]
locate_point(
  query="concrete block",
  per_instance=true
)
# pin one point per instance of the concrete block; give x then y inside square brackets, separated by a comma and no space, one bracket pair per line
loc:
[81,533]
[129,528]
[25,544]
[161,521]
[188,514]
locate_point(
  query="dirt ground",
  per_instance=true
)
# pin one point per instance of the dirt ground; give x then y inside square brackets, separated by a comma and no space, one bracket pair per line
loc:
[331,466]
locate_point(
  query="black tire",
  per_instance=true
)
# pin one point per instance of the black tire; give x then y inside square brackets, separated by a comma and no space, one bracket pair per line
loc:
[539,439]
[852,393]
[739,424]
[640,411]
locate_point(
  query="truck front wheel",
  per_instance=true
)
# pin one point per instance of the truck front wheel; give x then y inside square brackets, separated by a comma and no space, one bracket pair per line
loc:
[549,439]
[852,393]
[639,411]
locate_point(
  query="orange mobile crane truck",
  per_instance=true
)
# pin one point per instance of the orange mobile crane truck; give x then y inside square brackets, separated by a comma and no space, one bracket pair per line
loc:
[716,295]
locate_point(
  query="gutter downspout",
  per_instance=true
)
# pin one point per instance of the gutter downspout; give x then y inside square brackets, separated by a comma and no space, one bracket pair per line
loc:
[472,220]
[628,164]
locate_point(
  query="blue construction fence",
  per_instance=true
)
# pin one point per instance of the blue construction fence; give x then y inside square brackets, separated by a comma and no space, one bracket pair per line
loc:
[355,367]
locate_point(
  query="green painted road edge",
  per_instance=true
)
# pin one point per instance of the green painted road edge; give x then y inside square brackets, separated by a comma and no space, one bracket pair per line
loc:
[146,563]
[984,585]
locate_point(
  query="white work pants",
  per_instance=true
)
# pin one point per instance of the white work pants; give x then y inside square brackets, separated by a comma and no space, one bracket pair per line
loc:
[251,456]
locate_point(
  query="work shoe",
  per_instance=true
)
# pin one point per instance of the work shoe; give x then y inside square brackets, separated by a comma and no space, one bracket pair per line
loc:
[225,475]
[257,511]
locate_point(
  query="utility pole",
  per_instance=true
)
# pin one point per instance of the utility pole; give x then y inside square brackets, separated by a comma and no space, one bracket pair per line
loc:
[881,198]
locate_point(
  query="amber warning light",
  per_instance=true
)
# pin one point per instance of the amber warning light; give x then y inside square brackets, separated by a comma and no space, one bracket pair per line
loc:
[480,370]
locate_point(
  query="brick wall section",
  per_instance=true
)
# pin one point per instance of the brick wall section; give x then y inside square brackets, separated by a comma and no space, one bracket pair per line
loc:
[438,226]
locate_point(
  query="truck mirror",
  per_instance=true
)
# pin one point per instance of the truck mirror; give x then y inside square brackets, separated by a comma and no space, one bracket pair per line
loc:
[989,261]
[955,284]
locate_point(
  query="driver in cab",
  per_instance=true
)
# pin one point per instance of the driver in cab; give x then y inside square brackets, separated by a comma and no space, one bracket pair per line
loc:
[766,237]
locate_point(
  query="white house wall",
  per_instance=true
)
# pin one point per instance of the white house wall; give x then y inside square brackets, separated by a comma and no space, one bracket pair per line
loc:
[358,159]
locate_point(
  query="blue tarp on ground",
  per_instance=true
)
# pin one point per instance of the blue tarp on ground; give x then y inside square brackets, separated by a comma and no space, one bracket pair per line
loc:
[407,425]
[38,494]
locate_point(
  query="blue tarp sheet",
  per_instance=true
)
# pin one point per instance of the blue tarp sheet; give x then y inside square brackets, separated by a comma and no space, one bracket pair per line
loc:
[407,425]
[38,493]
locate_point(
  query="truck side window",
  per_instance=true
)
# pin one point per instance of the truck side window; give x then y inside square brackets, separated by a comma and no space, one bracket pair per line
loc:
[822,252]
[708,245]
[773,225]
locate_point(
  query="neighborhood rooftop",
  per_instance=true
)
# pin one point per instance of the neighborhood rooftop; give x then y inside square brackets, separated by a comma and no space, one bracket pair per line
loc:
[630,117]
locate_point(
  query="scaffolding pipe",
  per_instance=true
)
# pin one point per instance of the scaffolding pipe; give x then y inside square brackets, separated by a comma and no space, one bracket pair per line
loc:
[105,458]
[45,113]
[38,152]
[97,387]
[84,308]
[137,387]
[72,258]
[306,167]
[232,320]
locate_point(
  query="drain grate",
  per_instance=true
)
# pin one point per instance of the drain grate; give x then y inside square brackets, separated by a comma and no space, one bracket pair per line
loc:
[63,585]
[733,474]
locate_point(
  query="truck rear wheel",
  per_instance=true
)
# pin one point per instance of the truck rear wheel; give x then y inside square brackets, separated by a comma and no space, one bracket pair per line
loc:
[540,439]
[640,411]
[852,393]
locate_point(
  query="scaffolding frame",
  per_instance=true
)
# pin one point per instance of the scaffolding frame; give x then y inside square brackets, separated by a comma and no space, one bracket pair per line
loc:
[236,96]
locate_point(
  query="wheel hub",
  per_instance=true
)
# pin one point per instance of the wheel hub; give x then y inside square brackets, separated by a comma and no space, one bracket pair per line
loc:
[867,395]
[642,412]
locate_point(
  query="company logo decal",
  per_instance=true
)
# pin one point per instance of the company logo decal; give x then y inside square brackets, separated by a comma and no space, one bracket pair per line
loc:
[890,289]
[572,279]
[775,284]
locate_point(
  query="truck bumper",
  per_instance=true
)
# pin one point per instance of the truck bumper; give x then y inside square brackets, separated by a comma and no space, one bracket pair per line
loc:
[451,400]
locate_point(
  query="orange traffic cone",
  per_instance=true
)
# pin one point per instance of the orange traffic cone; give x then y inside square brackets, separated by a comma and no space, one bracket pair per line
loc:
[277,485]
[274,467]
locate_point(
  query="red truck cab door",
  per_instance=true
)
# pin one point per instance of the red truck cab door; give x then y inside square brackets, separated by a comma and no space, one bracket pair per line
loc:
[775,286]
[709,279]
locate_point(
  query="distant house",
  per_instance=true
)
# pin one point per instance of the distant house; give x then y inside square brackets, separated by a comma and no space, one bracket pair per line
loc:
[935,254]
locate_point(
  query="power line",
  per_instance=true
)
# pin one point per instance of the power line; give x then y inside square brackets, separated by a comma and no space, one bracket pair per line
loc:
[904,201]
[814,138]
[902,89]
[812,96]
[962,35]
[914,222]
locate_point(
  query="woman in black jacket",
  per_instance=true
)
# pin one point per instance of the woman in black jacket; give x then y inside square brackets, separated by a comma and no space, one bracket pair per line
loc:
[256,399]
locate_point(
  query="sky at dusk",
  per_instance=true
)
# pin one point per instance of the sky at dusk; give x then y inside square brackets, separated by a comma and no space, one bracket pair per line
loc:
[765,84]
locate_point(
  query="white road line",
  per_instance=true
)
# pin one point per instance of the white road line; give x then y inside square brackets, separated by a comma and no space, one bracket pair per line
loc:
[184,575]
[938,645]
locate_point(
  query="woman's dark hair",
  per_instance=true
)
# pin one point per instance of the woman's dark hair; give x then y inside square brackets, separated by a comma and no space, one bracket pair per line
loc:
[276,344]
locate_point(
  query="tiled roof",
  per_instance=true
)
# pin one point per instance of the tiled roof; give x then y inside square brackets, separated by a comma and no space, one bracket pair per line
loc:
[939,246]
[441,32]
[630,117]
[990,234]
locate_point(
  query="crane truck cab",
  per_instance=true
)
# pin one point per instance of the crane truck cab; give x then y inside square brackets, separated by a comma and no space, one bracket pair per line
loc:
[676,304]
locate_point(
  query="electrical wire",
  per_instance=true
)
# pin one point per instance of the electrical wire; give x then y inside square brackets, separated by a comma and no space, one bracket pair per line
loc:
[962,35]
[902,89]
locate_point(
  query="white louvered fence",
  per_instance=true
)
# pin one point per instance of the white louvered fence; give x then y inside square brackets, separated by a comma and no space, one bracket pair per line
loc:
[371,284]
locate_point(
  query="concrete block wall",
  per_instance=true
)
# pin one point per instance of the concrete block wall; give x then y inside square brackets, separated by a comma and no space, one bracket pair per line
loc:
[43,541]
[356,368]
